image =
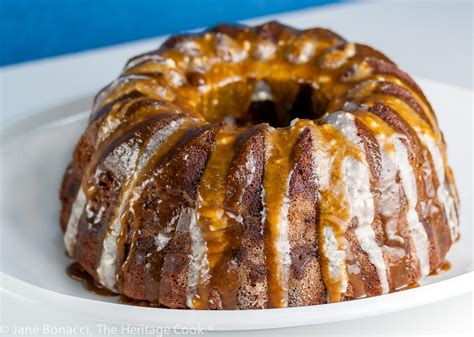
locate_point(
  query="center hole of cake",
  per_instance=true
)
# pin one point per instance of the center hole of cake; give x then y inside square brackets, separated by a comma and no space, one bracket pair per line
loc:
[251,102]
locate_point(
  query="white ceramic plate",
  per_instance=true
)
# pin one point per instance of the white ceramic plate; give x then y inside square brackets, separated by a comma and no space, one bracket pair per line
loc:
[34,154]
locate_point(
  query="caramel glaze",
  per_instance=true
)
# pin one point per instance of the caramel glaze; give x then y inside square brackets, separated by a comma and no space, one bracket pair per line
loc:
[76,272]
[279,168]
[139,303]
[408,287]
[334,214]
[445,266]
[243,204]
[221,228]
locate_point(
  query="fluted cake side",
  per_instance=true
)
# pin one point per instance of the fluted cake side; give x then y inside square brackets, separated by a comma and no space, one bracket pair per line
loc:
[259,167]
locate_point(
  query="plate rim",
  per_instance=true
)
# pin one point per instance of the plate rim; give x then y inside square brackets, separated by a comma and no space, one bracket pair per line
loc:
[230,319]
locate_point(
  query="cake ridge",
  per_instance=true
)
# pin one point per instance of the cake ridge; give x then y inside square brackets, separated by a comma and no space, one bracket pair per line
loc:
[107,267]
[415,136]
[276,205]
[215,222]
[364,232]
[334,213]
[100,145]
[154,193]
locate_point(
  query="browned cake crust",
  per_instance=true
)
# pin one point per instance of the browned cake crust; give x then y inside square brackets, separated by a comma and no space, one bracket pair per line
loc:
[259,167]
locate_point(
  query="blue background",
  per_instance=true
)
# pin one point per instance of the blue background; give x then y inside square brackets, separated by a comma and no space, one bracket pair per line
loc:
[34,29]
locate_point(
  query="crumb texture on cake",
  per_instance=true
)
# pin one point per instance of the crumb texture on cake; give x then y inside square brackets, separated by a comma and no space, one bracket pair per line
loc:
[259,167]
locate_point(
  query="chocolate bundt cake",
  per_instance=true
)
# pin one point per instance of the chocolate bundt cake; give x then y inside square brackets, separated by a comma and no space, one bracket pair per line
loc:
[259,167]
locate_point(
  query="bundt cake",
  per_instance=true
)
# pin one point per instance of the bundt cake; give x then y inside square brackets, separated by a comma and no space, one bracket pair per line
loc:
[259,167]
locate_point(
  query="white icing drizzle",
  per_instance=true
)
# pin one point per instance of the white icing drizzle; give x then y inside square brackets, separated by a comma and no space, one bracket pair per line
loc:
[333,250]
[359,196]
[389,194]
[89,214]
[79,203]
[146,58]
[251,167]
[344,122]
[161,241]
[336,256]
[236,218]
[229,120]
[121,160]
[265,50]
[262,92]
[229,49]
[322,163]
[109,125]
[189,48]
[102,95]
[263,212]
[357,178]
[198,271]
[358,72]
[417,231]
[336,57]
[282,244]
[107,266]
[175,78]
[443,193]
[303,52]
[353,269]
[71,230]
